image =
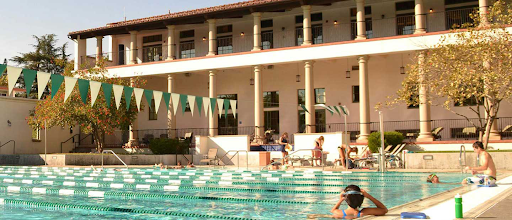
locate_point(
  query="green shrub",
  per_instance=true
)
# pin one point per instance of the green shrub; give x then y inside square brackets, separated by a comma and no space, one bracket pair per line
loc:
[390,138]
[169,146]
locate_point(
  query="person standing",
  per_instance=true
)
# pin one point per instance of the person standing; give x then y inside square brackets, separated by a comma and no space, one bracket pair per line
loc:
[283,140]
[317,153]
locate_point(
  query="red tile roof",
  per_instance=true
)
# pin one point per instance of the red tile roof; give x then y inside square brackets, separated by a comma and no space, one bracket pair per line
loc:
[219,8]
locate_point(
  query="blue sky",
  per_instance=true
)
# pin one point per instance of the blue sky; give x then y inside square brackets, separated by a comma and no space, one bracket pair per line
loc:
[21,19]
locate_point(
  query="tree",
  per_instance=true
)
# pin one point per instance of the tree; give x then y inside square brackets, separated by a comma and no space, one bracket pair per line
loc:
[471,64]
[46,57]
[98,120]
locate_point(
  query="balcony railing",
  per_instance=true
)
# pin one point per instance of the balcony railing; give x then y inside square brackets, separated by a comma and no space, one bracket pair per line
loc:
[289,37]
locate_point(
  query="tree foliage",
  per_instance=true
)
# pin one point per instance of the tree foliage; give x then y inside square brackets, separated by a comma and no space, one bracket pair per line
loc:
[474,63]
[98,120]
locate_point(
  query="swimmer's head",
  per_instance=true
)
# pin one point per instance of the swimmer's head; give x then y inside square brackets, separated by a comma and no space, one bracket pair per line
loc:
[433,178]
[179,163]
[353,196]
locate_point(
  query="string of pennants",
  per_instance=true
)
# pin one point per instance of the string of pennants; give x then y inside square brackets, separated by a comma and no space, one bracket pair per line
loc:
[338,109]
[29,76]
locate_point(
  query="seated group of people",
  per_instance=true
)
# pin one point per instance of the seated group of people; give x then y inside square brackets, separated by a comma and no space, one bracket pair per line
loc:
[178,166]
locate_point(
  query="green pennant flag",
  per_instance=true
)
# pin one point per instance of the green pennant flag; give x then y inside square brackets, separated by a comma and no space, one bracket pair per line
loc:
[337,110]
[213,102]
[2,69]
[149,96]
[345,110]
[183,101]
[226,107]
[128,91]
[83,87]
[29,76]
[199,101]
[107,90]
[304,108]
[167,99]
[56,83]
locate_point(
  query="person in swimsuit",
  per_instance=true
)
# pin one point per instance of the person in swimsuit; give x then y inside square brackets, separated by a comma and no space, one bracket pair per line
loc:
[341,151]
[487,168]
[283,140]
[354,196]
[317,155]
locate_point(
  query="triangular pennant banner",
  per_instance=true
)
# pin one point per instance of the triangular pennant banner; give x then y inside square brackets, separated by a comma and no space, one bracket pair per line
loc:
[128,91]
[175,102]
[42,81]
[220,105]
[304,108]
[70,83]
[183,101]
[226,107]
[167,99]
[107,91]
[336,109]
[29,76]
[95,90]
[206,105]
[325,107]
[56,83]
[13,73]
[149,97]
[2,69]
[233,107]
[158,100]
[83,87]
[213,102]
[118,93]
[345,110]
[199,101]
[191,103]
[138,96]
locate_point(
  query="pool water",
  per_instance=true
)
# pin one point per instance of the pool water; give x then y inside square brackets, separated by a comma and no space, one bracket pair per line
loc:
[81,193]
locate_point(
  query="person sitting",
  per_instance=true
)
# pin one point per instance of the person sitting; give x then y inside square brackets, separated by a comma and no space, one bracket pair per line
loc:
[190,165]
[283,140]
[354,196]
[487,168]
[317,153]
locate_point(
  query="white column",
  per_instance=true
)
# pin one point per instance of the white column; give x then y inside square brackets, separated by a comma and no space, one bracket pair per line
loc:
[361,21]
[171,42]
[310,96]
[425,119]
[259,133]
[212,120]
[212,37]
[99,49]
[364,101]
[306,25]
[171,118]
[134,139]
[420,17]
[257,31]
[484,10]
[133,47]
[114,49]
[80,52]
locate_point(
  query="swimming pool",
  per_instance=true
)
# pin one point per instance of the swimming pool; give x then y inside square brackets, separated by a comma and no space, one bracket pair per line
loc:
[81,193]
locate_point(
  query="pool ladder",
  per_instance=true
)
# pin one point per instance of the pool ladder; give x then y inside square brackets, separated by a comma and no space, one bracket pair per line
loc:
[110,151]
[462,164]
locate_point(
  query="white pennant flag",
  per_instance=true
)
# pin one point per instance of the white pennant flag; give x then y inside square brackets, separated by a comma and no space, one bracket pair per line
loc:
[70,85]
[42,80]
[191,103]
[220,105]
[118,93]
[138,96]
[157,95]
[175,101]
[95,90]
[13,73]
[233,106]
[206,105]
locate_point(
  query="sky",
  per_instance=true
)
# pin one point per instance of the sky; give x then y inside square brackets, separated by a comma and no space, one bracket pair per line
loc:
[21,19]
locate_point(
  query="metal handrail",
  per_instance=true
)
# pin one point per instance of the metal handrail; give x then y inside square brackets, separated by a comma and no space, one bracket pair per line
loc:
[110,151]
[460,158]
[14,145]
[237,153]
[71,138]
[289,155]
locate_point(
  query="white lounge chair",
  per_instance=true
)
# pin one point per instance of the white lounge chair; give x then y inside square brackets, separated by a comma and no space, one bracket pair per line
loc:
[211,157]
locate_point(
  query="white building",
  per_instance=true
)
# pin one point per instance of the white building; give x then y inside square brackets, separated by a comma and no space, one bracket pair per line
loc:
[272,55]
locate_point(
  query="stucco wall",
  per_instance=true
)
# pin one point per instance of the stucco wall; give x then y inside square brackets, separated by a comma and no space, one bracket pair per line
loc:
[451,160]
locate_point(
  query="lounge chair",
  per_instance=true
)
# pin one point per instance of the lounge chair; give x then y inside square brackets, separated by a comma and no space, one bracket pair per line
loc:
[211,157]
[507,131]
[468,132]
[393,158]
[437,133]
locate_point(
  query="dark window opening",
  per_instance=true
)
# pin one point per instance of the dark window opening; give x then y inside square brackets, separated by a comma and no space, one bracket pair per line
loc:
[151,39]
[355,94]
[367,11]
[267,23]
[187,34]
[403,6]
[224,29]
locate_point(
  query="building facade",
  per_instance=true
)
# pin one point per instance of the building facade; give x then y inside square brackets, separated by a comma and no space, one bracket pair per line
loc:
[275,55]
